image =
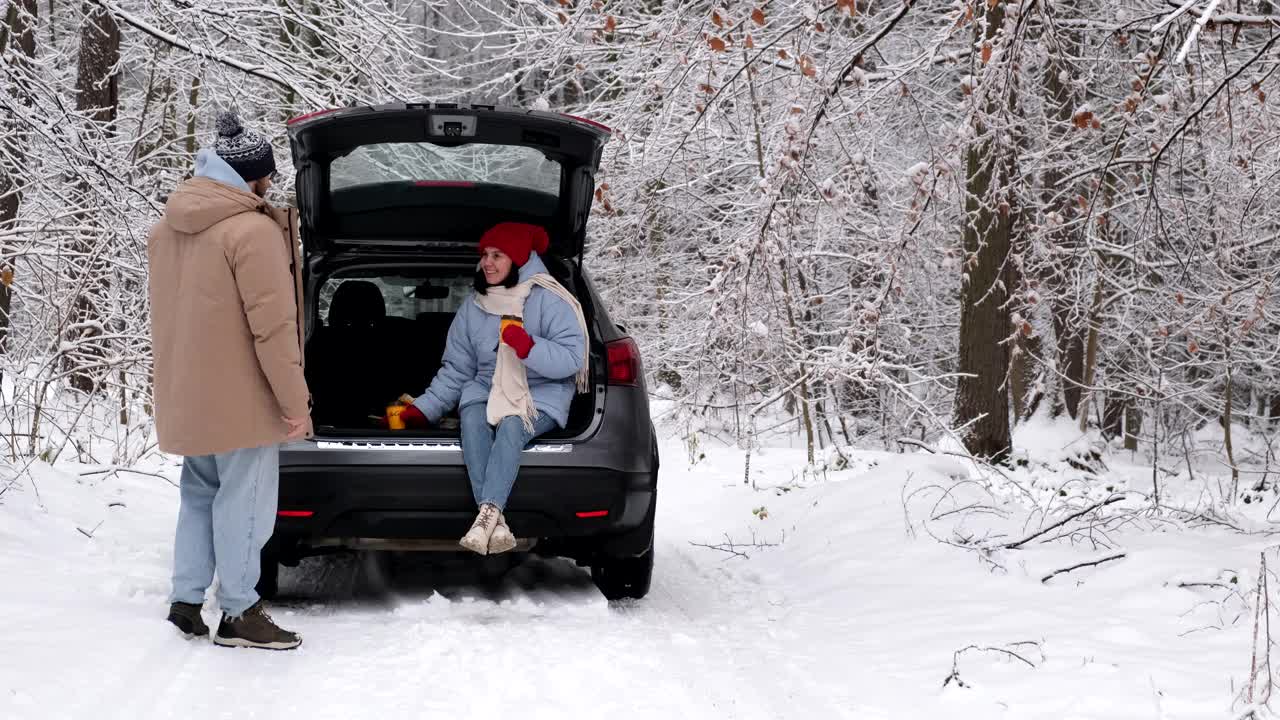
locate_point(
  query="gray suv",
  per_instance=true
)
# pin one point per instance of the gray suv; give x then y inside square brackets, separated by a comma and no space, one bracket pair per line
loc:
[392,200]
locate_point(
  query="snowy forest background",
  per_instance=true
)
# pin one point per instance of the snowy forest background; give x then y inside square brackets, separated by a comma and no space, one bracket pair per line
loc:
[875,223]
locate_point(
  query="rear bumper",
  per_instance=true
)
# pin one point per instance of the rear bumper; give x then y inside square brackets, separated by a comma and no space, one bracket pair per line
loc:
[335,492]
[435,502]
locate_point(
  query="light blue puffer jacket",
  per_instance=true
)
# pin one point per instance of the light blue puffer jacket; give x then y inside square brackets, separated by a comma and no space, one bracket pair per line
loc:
[471,354]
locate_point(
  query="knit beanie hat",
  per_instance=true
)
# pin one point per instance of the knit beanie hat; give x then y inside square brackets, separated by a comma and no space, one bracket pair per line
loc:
[247,152]
[516,240]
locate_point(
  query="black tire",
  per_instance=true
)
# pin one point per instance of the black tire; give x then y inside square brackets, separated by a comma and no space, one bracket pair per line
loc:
[621,578]
[268,586]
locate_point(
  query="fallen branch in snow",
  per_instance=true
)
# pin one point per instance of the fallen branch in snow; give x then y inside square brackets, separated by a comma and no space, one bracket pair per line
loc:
[980,546]
[925,446]
[1060,523]
[731,547]
[1189,585]
[1210,517]
[89,533]
[9,483]
[1077,566]
[955,659]
[977,461]
[1231,606]
[18,475]
[109,471]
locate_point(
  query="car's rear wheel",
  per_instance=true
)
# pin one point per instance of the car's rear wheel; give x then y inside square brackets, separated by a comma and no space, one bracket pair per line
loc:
[620,578]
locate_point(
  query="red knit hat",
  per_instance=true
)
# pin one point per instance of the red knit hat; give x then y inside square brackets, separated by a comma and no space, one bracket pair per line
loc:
[516,240]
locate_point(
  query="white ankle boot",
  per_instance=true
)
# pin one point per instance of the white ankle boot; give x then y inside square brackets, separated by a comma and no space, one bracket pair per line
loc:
[501,540]
[477,538]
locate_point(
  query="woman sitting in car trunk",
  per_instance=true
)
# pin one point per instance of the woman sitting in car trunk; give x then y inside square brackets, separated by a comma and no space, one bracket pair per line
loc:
[514,357]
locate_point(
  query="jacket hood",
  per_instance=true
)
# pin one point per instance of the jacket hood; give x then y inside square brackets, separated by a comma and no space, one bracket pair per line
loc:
[532,266]
[213,195]
[210,164]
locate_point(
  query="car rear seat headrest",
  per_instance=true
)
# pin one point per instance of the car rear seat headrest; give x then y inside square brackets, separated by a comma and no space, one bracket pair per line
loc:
[356,302]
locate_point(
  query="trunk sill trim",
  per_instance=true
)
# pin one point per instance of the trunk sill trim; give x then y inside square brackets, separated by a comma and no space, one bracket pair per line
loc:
[432,447]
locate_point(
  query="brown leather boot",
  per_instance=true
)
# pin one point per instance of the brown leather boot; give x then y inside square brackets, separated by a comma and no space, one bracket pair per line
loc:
[255,629]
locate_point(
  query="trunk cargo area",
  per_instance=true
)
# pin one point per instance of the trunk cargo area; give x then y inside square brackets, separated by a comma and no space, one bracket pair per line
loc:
[367,346]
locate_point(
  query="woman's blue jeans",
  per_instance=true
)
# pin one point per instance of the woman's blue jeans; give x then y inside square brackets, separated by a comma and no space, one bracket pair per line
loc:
[492,454]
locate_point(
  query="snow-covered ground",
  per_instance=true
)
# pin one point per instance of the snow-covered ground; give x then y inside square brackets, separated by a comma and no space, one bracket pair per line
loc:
[858,612]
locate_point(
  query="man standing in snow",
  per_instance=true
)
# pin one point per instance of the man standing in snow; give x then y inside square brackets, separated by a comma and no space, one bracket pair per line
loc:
[229,386]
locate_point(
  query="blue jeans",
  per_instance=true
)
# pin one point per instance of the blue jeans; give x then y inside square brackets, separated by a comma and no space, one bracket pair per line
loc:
[493,455]
[227,514]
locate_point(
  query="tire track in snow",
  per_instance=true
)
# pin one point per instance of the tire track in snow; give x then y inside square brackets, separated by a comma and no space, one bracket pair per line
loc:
[688,605]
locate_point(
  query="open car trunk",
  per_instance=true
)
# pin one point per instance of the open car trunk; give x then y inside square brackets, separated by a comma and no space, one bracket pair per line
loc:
[378,331]
[436,176]
[392,200]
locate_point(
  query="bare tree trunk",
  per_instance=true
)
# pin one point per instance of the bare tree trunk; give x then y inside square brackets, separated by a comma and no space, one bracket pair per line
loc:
[20,30]
[1226,432]
[1091,356]
[97,89]
[982,400]
[97,98]
[1023,375]
[1122,417]
[803,369]
[1060,102]
[1132,425]
[1025,349]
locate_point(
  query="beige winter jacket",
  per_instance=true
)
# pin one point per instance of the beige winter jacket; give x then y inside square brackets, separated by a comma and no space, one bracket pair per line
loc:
[224,321]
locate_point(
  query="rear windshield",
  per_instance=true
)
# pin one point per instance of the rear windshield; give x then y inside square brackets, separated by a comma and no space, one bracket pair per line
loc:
[512,165]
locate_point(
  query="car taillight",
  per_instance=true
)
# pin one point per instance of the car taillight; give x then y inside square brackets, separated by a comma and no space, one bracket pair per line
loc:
[296,513]
[624,362]
[588,121]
